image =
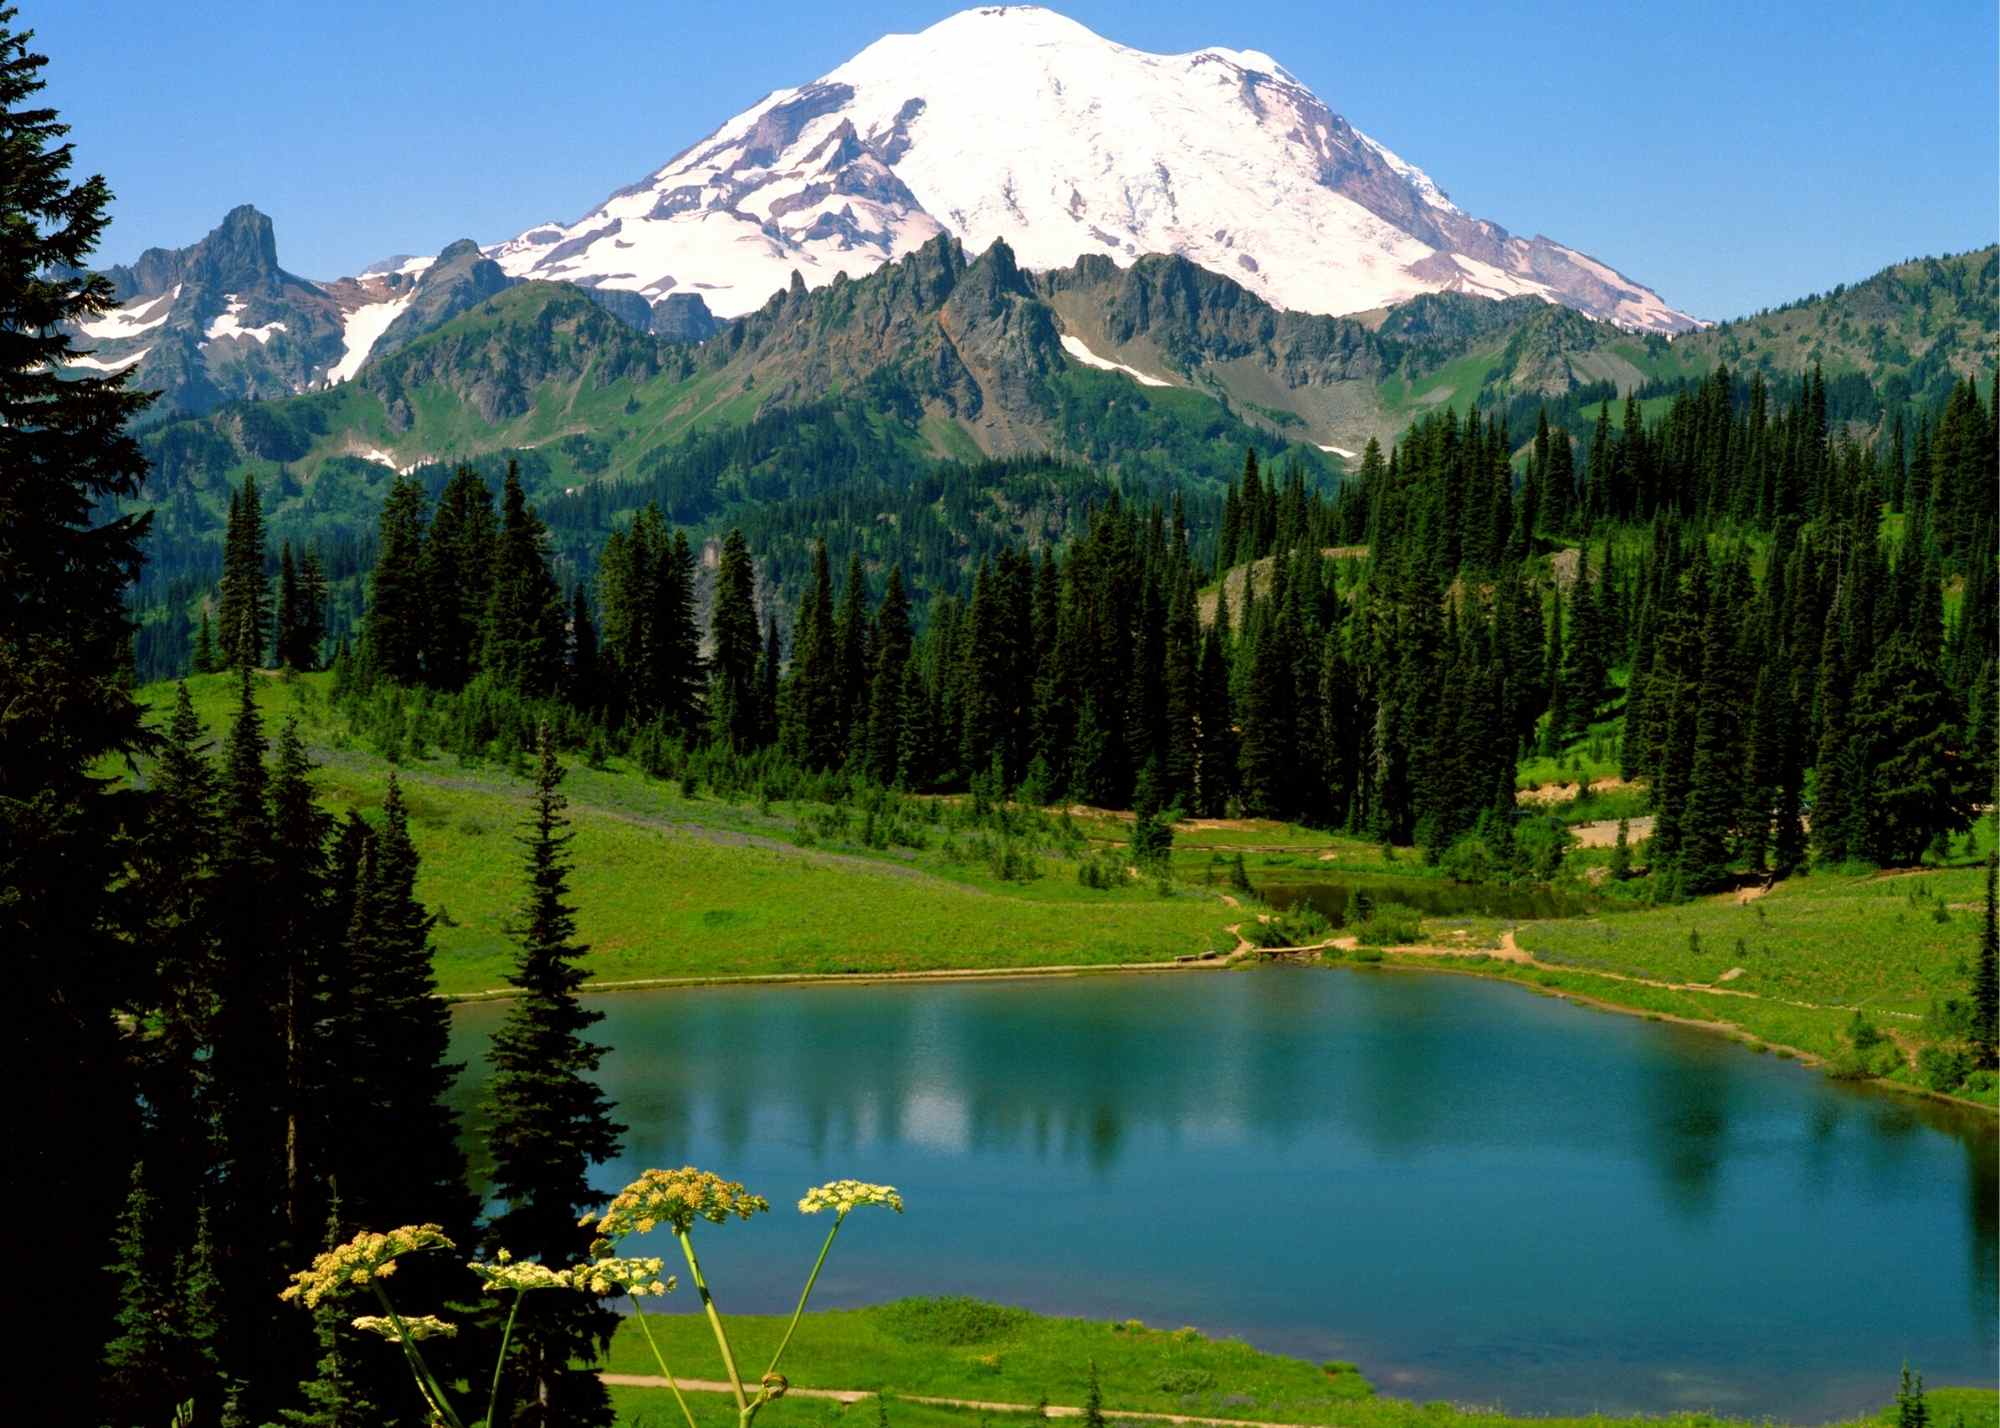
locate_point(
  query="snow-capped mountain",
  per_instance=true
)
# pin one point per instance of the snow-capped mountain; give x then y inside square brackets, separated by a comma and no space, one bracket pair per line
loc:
[1014,122]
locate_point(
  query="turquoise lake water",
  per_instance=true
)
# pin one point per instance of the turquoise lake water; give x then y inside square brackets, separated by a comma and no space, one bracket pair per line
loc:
[1474,1193]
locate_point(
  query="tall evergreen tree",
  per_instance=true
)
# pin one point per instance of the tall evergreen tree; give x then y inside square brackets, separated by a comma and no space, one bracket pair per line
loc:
[733,626]
[522,644]
[408,1169]
[244,609]
[891,653]
[400,600]
[66,460]
[250,1069]
[549,1123]
[456,570]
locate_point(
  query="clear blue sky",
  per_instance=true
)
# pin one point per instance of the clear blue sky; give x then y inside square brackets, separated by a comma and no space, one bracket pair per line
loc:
[1730,155]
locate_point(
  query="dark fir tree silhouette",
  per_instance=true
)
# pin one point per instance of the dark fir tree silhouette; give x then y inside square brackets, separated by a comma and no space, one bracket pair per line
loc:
[549,1123]
[64,636]
[243,608]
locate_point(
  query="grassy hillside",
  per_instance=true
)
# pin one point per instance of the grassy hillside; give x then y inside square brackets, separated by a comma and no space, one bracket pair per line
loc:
[673,885]
[1915,321]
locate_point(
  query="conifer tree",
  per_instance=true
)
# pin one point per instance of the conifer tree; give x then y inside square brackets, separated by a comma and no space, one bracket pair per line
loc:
[335,1396]
[408,1169]
[399,599]
[457,577]
[249,1066]
[733,626]
[676,639]
[67,459]
[289,611]
[172,872]
[810,732]
[1917,788]
[583,682]
[1216,754]
[521,646]
[298,893]
[244,609]
[549,1123]
[850,643]
[891,652]
[152,1364]
[203,661]
[310,633]
[1911,1410]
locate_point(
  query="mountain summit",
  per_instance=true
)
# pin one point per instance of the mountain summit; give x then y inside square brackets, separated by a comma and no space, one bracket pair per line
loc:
[1015,122]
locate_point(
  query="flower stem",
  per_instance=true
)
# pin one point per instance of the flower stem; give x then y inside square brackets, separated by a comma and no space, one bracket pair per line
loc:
[714,1322]
[500,1364]
[804,1295]
[426,1385]
[665,1372]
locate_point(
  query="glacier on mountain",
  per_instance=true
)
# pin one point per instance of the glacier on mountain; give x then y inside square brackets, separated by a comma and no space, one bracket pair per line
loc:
[1015,122]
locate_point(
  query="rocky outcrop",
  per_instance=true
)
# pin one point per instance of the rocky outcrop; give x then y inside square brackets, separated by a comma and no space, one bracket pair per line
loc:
[460,278]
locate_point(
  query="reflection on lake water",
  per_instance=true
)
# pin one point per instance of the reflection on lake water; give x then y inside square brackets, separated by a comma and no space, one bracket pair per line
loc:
[1475,1193]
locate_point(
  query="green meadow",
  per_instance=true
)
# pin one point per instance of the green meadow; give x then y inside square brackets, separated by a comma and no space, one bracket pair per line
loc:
[988,1354]
[669,885]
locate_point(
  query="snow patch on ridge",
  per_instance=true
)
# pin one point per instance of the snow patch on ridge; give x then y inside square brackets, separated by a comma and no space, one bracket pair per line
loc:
[1336,450]
[361,329]
[115,364]
[131,320]
[1076,348]
[228,323]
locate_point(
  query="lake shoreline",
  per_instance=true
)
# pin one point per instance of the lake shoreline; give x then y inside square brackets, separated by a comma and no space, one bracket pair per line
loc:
[857,979]
[1230,962]
[1727,1030]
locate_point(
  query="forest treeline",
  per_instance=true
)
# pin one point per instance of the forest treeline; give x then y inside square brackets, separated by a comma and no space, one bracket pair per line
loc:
[1749,604]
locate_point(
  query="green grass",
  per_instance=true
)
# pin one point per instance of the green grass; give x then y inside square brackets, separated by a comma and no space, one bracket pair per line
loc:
[1454,383]
[1813,951]
[673,887]
[964,1349]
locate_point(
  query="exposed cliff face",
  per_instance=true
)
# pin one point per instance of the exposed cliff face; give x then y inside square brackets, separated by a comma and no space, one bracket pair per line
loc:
[216,321]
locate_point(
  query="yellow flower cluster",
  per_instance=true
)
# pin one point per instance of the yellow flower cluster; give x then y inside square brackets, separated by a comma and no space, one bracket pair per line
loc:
[625,1276]
[840,1196]
[365,1258]
[505,1272]
[421,1326]
[677,1198]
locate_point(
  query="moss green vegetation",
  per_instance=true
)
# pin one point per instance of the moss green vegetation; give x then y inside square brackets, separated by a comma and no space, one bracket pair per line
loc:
[675,886]
[986,1353]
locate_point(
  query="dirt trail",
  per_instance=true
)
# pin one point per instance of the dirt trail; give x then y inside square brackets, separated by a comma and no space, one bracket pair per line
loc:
[1604,832]
[856,1395]
[1511,951]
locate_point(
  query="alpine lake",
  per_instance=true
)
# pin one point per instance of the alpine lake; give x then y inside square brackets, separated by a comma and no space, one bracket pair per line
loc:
[1472,1192]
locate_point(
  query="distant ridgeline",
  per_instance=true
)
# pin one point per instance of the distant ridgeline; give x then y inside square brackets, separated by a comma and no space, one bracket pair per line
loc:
[934,411]
[1776,624]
